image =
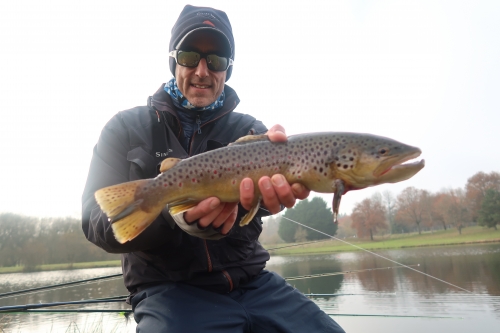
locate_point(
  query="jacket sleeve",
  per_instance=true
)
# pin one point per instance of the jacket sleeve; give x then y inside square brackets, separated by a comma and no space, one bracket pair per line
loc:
[109,166]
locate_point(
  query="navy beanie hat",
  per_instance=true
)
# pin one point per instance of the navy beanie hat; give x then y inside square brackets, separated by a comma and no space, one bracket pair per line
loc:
[194,18]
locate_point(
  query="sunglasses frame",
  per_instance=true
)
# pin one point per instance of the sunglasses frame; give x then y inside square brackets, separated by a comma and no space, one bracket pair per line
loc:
[174,54]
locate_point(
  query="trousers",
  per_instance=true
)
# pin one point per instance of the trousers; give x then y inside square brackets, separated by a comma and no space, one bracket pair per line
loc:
[265,304]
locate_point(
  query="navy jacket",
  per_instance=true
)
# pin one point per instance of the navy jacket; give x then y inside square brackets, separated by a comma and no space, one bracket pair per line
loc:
[131,146]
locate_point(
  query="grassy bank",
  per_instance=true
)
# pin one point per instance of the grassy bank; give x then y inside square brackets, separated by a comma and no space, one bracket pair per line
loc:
[472,235]
[54,267]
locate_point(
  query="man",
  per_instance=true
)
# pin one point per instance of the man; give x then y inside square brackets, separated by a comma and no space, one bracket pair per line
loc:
[197,271]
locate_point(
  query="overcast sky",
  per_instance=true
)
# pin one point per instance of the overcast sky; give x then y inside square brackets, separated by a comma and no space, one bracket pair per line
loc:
[426,73]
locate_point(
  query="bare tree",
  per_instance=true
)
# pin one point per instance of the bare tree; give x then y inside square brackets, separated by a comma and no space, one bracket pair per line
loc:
[368,217]
[456,212]
[390,207]
[411,206]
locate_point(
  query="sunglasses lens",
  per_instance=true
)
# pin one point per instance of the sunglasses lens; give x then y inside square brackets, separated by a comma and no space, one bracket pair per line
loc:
[216,63]
[188,59]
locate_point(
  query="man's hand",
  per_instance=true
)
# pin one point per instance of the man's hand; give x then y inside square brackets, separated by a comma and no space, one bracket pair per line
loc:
[275,192]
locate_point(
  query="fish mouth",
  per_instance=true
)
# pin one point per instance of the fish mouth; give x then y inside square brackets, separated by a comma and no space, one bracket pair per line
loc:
[395,169]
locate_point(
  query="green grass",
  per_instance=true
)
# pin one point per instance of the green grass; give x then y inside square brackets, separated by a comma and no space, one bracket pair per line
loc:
[54,267]
[471,235]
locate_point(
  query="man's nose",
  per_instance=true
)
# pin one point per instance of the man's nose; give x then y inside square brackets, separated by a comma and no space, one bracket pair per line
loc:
[202,68]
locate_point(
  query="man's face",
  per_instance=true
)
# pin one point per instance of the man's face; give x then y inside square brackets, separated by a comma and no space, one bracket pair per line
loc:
[200,85]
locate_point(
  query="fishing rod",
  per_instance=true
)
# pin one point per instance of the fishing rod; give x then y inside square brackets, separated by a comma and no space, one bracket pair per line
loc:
[124,312]
[128,312]
[26,307]
[62,285]
[376,254]
[388,316]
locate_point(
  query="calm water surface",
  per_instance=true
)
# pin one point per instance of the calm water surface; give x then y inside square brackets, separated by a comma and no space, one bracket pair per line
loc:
[366,301]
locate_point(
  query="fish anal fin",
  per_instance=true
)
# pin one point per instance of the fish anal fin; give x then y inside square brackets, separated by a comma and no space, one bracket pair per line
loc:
[177,208]
[168,163]
[133,224]
[250,138]
[247,218]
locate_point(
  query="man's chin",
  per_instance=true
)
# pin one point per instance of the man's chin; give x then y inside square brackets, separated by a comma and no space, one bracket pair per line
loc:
[200,102]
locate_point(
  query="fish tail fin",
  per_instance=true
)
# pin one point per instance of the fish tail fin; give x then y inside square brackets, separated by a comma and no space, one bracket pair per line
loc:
[126,212]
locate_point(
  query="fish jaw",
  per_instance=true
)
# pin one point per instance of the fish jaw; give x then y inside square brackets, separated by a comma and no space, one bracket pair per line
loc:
[400,172]
[371,168]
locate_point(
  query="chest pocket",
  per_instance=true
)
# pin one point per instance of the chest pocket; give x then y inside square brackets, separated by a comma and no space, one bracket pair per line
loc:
[142,165]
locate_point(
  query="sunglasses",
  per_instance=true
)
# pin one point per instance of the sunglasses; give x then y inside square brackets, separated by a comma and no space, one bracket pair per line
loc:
[192,59]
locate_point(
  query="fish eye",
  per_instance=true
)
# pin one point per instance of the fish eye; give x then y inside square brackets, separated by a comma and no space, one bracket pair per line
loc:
[383,151]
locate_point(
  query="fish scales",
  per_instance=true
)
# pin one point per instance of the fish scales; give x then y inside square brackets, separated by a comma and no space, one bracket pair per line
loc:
[323,162]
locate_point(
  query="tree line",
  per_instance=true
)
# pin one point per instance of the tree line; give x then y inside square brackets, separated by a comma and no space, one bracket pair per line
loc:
[29,242]
[413,210]
[478,203]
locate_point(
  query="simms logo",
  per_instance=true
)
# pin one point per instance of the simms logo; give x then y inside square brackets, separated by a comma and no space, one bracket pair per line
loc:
[159,154]
[207,15]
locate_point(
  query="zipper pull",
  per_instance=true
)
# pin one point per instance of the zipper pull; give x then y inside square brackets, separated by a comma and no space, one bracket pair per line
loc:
[198,121]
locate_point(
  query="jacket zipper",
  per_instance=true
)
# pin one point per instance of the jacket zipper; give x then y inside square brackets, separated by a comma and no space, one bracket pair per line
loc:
[209,260]
[208,122]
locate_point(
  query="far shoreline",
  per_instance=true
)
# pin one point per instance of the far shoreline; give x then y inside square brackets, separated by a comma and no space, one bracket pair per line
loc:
[469,236]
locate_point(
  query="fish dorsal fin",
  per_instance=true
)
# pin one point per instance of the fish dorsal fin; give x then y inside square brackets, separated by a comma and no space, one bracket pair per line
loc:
[250,138]
[168,163]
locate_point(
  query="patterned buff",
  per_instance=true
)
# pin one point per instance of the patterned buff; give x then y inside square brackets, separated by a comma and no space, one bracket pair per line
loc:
[181,101]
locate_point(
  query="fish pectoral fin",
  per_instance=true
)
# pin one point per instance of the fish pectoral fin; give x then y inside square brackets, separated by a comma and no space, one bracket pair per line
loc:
[250,138]
[168,163]
[181,206]
[125,213]
[251,214]
[339,190]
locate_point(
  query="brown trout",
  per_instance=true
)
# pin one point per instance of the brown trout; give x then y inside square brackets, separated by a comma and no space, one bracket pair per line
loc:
[323,162]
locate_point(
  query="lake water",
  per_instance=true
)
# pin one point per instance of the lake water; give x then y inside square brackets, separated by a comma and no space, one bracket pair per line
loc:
[371,299]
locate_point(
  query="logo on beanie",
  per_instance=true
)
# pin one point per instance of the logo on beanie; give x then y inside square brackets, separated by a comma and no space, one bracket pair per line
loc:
[207,15]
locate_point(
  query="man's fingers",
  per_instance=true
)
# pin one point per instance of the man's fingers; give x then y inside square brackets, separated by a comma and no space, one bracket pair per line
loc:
[269,196]
[300,191]
[277,133]
[246,193]
[228,224]
[204,208]
[225,215]
[283,190]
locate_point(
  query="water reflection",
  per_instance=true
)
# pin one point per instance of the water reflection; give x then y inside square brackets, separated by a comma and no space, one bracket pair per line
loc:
[389,292]
[51,322]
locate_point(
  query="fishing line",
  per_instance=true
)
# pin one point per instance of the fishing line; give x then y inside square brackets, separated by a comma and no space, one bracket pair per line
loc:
[340,273]
[376,254]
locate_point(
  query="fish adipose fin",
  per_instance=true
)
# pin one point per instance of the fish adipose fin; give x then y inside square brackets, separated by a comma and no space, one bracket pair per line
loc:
[250,138]
[168,163]
[125,213]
